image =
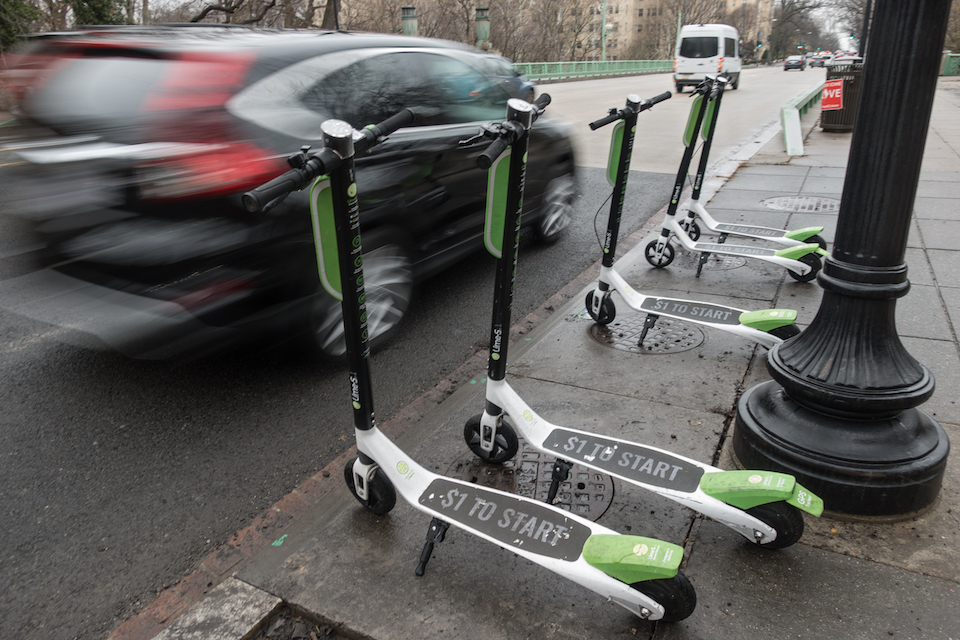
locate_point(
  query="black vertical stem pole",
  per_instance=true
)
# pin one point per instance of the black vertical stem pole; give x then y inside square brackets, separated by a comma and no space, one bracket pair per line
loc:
[338,135]
[707,143]
[507,262]
[865,30]
[620,182]
[841,412]
[688,156]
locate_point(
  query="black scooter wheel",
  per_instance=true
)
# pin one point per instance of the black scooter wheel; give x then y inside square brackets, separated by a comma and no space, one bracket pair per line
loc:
[505,444]
[694,231]
[676,595]
[608,311]
[817,240]
[383,497]
[785,518]
[811,261]
[659,262]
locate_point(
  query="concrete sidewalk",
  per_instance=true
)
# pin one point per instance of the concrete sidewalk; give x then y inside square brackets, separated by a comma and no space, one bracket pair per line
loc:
[355,571]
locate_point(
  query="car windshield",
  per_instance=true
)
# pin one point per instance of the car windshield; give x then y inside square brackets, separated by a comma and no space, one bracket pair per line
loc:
[698,47]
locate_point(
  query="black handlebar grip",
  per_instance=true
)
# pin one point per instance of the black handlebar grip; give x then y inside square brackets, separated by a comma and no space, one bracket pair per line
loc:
[666,95]
[491,153]
[542,102]
[602,122]
[255,199]
[394,122]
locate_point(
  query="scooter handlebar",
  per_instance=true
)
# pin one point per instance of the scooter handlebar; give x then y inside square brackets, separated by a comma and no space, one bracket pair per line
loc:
[294,180]
[618,115]
[377,132]
[491,153]
[541,103]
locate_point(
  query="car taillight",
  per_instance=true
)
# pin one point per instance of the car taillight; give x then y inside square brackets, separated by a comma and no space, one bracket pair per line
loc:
[674,64]
[215,170]
[719,65]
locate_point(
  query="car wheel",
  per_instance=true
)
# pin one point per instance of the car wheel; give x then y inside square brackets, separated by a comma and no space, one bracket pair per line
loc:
[557,208]
[388,286]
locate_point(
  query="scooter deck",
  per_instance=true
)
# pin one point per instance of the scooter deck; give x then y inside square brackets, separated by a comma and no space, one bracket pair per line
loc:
[665,473]
[780,236]
[546,535]
[718,316]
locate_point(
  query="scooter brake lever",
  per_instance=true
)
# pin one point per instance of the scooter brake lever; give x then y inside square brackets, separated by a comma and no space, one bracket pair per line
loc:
[486,131]
[297,160]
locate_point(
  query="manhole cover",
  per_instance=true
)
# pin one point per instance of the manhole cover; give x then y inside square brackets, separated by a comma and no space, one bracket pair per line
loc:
[802,204]
[666,336]
[585,492]
[715,262]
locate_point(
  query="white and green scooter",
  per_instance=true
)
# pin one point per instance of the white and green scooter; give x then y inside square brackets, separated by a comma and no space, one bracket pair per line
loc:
[638,573]
[767,327]
[696,210]
[801,261]
[762,506]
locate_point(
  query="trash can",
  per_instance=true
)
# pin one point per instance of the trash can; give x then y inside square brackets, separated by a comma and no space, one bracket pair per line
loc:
[843,119]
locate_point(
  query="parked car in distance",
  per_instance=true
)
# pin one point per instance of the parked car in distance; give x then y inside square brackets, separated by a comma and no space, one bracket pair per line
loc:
[794,62]
[821,60]
[706,50]
[146,137]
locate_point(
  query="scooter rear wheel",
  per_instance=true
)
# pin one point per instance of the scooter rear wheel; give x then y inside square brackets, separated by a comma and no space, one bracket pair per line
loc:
[785,332]
[383,497]
[676,595]
[659,262]
[785,518]
[505,444]
[818,240]
[608,311]
[811,261]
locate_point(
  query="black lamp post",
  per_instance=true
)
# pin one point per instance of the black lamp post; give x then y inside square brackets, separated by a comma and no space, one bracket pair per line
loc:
[841,412]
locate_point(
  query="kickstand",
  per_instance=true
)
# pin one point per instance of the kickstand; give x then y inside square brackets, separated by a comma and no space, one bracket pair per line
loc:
[703,260]
[648,324]
[561,471]
[438,528]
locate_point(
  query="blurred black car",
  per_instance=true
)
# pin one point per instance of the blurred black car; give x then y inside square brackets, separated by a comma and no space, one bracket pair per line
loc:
[145,138]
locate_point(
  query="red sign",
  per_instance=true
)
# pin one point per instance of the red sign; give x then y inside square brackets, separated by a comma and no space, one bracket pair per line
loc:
[832,98]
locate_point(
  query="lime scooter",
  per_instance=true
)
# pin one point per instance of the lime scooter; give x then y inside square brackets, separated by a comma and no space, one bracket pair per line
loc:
[638,573]
[802,262]
[768,327]
[807,235]
[763,506]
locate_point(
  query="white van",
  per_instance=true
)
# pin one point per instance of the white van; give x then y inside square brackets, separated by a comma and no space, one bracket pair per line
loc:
[706,49]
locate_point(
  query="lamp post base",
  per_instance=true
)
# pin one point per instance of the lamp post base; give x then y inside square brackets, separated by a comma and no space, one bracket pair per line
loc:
[889,468]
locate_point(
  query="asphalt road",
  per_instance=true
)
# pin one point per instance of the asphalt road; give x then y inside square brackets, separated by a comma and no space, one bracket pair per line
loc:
[119,476]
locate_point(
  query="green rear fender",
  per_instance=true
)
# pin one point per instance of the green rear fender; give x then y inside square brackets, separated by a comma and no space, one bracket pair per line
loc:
[797,252]
[768,319]
[748,489]
[803,234]
[632,558]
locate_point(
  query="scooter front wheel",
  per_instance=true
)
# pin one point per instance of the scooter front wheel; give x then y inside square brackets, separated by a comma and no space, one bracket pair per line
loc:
[784,518]
[662,260]
[811,261]
[694,231]
[676,595]
[608,311]
[505,444]
[382,495]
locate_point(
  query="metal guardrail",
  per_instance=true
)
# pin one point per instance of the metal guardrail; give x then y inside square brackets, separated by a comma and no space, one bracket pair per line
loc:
[951,64]
[540,71]
[790,115]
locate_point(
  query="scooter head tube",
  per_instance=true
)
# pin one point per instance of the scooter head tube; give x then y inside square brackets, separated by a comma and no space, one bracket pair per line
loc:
[748,489]
[633,559]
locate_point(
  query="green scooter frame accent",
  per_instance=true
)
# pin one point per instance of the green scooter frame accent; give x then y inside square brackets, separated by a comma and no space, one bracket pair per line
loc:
[802,234]
[768,319]
[797,252]
[498,176]
[616,144]
[633,559]
[748,489]
[325,236]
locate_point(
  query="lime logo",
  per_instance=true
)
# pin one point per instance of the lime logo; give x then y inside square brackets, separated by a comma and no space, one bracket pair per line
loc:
[358,262]
[359,281]
[634,130]
[525,158]
[363,317]
[641,550]
[363,298]
[527,416]
[356,241]
[402,467]
[495,356]
[754,479]
[356,405]
[352,190]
